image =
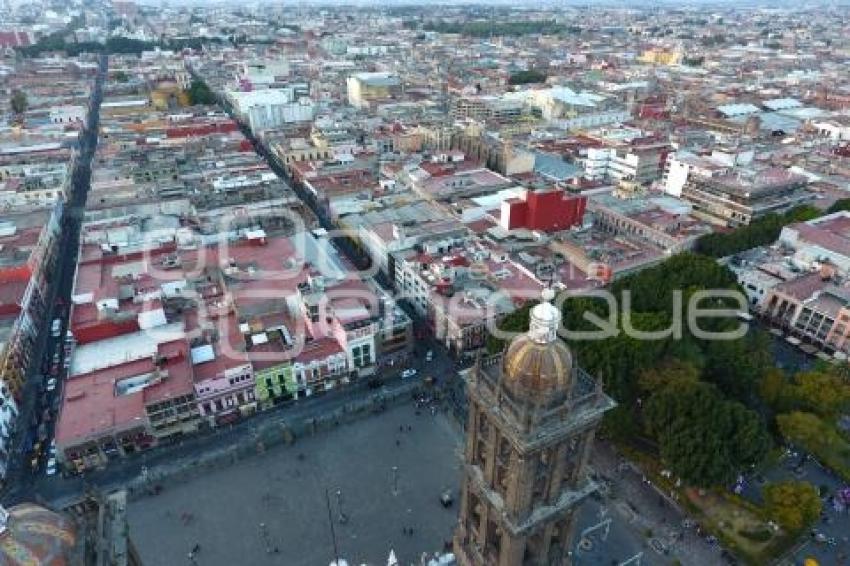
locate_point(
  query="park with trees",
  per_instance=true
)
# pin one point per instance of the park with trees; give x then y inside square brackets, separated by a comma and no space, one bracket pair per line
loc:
[707,410]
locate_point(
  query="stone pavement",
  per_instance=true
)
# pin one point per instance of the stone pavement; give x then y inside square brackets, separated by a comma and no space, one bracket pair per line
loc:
[273,508]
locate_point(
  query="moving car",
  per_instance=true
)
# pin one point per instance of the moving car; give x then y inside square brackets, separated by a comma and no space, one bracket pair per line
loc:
[410,372]
[51,384]
[51,467]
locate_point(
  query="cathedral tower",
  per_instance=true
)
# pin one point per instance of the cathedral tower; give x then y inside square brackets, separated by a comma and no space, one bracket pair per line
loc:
[532,416]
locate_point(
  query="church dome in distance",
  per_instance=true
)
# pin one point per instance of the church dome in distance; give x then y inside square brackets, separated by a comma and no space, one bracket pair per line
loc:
[31,534]
[538,365]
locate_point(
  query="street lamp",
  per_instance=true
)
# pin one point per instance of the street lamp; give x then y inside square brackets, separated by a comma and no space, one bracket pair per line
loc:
[343,518]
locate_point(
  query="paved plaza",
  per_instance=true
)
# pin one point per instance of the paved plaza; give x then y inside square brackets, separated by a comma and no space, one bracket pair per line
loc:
[272,508]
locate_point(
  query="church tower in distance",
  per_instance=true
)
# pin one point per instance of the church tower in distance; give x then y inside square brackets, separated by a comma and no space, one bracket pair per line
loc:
[532,417]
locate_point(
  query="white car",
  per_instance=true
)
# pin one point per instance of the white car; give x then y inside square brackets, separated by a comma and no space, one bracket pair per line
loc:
[51,384]
[51,467]
[408,373]
[429,356]
[52,449]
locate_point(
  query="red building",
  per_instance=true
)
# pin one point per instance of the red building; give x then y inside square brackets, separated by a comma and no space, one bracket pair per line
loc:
[547,210]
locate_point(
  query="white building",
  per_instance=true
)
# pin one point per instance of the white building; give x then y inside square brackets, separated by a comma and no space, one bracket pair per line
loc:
[622,163]
[271,108]
[68,114]
[833,129]
[263,74]
[682,165]
[571,110]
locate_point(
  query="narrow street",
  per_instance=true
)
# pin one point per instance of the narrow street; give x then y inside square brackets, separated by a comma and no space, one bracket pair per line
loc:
[20,479]
[26,485]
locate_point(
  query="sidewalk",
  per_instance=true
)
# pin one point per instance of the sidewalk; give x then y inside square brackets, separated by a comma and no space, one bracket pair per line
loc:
[650,511]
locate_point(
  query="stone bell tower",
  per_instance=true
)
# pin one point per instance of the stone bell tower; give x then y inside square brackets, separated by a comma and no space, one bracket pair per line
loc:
[532,416]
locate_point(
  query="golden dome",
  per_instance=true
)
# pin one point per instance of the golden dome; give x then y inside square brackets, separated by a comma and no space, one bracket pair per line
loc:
[539,364]
[33,535]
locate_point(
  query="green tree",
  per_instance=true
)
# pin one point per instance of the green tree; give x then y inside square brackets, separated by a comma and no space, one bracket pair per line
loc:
[18,101]
[822,392]
[839,205]
[773,389]
[736,366]
[793,505]
[812,433]
[759,232]
[667,373]
[526,77]
[200,93]
[705,439]
[515,322]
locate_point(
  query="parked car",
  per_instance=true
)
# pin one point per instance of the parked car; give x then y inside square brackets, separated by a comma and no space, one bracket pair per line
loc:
[410,372]
[51,467]
[429,356]
[51,384]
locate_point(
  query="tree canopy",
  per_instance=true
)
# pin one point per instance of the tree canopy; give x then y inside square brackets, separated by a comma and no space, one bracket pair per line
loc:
[18,101]
[819,437]
[200,93]
[824,391]
[793,505]
[687,394]
[839,205]
[58,41]
[704,439]
[526,77]
[759,232]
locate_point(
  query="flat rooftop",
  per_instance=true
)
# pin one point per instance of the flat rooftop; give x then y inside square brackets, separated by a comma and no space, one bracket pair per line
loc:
[122,349]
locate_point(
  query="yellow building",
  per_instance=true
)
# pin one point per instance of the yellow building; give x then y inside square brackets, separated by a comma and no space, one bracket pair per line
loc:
[365,88]
[661,56]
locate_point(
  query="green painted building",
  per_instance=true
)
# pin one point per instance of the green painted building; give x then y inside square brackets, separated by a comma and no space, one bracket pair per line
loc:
[273,383]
